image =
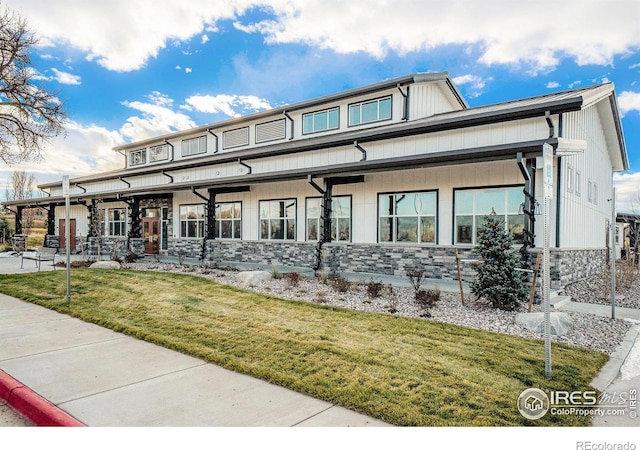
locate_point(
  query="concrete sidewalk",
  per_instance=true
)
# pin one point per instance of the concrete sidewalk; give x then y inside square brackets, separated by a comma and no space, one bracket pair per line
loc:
[103,378]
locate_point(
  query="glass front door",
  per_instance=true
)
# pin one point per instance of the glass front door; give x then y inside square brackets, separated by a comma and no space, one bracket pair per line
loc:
[151,235]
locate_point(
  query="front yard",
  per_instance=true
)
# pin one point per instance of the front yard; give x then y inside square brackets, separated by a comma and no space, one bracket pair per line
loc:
[406,371]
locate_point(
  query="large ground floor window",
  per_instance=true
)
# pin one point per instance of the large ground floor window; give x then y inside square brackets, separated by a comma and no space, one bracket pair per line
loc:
[278,219]
[228,223]
[192,221]
[340,218]
[472,205]
[407,217]
[117,222]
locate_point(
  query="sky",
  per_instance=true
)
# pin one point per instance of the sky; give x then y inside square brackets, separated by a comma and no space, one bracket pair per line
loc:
[131,69]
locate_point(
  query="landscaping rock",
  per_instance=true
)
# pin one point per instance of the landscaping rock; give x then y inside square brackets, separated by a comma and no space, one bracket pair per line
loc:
[105,265]
[560,322]
[253,277]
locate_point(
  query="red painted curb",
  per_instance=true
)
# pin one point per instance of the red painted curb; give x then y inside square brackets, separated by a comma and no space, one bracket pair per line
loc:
[37,409]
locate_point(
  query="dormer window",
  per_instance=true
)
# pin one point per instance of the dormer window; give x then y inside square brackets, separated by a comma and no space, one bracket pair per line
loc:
[370,111]
[159,153]
[195,146]
[328,119]
[138,157]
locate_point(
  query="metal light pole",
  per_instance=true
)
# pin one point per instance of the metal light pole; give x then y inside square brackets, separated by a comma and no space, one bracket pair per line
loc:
[547,156]
[67,232]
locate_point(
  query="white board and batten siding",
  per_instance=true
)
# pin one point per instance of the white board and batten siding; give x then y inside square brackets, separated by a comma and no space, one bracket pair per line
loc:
[586,183]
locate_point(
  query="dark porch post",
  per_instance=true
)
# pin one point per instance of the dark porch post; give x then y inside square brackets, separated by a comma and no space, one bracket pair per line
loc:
[51,220]
[19,210]
[211,215]
[327,198]
[135,231]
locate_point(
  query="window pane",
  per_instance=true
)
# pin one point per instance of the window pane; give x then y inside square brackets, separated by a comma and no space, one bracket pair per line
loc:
[464,229]
[407,229]
[342,207]
[291,209]
[237,229]
[312,229]
[464,202]
[515,197]
[276,209]
[264,210]
[344,230]
[313,208]
[264,229]
[428,229]
[370,112]
[385,109]
[428,204]
[516,227]
[307,123]
[386,225]
[407,205]
[386,204]
[237,211]
[277,231]
[334,121]
[226,229]
[354,115]
[183,229]
[489,200]
[320,121]
[291,229]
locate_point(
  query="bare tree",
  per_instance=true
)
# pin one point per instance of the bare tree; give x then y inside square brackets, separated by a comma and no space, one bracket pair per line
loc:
[29,114]
[21,187]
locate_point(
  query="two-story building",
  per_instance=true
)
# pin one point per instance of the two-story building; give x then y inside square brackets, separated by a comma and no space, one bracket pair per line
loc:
[375,179]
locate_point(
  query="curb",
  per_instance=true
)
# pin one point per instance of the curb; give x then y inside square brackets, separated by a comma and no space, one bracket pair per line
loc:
[37,409]
[611,369]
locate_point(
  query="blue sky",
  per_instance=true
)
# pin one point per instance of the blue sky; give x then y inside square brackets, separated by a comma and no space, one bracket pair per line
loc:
[131,69]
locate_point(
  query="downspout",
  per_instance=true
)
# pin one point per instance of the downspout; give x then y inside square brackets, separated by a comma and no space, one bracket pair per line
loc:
[405,103]
[286,114]
[215,150]
[173,149]
[558,188]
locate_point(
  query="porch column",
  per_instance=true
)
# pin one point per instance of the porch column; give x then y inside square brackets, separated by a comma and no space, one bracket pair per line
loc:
[211,215]
[19,210]
[135,230]
[51,220]
[327,198]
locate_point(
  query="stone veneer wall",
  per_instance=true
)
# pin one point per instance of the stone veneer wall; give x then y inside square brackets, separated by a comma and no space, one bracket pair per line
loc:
[187,247]
[284,253]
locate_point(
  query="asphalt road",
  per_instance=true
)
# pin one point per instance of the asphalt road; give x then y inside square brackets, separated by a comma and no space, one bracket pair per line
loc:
[10,418]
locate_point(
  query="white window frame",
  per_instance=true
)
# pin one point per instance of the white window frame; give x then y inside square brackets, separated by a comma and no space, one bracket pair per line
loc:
[476,215]
[138,157]
[570,179]
[235,221]
[198,220]
[337,219]
[159,153]
[393,217]
[360,105]
[315,121]
[266,219]
[122,222]
[578,187]
[187,145]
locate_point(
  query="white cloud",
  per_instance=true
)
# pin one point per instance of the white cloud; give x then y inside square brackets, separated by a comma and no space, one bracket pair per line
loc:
[66,78]
[504,33]
[157,118]
[188,70]
[204,39]
[553,85]
[627,192]
[476,84]
[230,105]
[574,84]
[82,151]
[629,101]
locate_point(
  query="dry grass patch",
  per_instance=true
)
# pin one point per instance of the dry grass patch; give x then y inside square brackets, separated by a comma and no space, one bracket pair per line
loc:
[401,370]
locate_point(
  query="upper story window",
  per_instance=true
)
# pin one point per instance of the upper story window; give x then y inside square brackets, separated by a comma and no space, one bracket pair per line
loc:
[408,217]
[159,153]
[195,146]
[138,157]
[235,138]
[370,111]
[328,119]
[270,131]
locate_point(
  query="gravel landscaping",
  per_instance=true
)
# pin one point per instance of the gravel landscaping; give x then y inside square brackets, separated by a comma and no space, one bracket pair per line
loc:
[589,331]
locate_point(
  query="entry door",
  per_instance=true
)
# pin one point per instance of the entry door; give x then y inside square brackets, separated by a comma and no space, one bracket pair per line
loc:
[72,234]
[151,235]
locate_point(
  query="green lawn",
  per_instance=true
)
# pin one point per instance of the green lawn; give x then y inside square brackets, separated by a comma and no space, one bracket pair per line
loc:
[400,370]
